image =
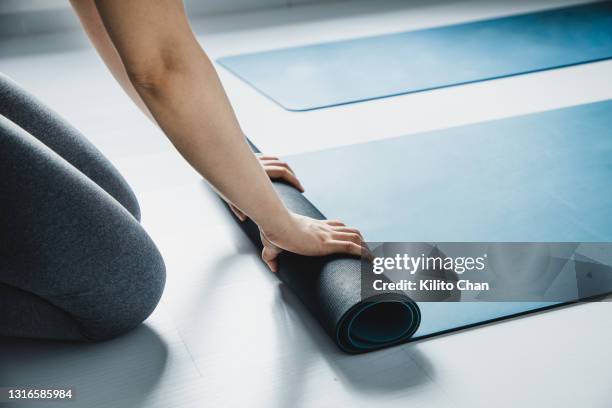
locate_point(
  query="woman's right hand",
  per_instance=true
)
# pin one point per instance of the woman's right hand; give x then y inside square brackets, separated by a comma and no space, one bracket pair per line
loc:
[307,236]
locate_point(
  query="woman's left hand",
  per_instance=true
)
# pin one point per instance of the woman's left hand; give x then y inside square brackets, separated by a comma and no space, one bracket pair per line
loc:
[275,169]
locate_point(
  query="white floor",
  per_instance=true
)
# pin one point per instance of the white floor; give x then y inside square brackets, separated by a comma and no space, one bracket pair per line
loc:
[226,333]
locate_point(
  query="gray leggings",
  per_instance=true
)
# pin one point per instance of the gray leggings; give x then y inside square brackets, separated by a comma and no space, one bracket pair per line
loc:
[75,263]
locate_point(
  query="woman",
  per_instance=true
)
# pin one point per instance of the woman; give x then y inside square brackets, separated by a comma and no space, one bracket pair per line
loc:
[76,265]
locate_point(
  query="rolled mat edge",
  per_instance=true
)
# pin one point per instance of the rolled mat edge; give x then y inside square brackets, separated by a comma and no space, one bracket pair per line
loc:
[330,288]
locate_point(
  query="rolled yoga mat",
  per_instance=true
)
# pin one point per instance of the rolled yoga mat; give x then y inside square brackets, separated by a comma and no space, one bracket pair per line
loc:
[330,287]
[341,72]
[544,177]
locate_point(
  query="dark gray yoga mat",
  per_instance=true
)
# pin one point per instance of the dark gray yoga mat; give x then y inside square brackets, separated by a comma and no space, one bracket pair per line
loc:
[544,177]
[322,75]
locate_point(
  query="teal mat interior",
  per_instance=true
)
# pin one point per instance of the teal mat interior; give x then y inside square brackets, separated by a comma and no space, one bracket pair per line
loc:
[544,177]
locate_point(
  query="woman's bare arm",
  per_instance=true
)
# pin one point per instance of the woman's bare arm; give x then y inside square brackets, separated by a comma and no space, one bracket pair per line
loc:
[90,19]
[172,76]
[94,28]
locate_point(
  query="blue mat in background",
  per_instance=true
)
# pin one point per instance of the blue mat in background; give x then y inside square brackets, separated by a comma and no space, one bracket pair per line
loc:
[336,73]
[543,177]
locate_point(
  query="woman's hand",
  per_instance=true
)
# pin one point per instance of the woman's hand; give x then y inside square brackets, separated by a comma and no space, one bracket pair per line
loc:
[302,235]
[310,237]
[275,169]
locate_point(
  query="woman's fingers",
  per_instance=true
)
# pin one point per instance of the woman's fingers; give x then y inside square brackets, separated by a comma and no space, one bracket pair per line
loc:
[348,230]
[277,169]
[348,240]
[276,163]
[266,157]
[345,247]
[269,253]
[283,173]
[347,236]
[239,214]
[269,256]
[334,223]
[353,236]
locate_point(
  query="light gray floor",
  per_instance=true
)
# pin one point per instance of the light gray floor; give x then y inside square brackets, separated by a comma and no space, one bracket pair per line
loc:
[226,333]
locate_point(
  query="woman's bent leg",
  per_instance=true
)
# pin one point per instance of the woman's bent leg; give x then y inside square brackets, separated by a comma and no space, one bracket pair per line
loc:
[74,263]
[27,112]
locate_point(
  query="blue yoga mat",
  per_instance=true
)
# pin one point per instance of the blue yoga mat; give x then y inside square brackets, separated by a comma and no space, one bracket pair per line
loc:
[544,177]
[336,73]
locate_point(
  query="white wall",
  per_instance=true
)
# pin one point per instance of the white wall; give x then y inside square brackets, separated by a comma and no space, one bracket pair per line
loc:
[23,17]
[16,6]
[200,6]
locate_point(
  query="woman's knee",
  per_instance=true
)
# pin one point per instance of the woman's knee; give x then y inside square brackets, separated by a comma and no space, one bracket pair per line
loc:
[70,244]
[128,299]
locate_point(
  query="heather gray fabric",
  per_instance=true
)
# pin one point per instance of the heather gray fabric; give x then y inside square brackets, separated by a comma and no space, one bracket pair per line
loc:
[75,264]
